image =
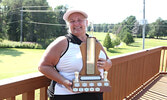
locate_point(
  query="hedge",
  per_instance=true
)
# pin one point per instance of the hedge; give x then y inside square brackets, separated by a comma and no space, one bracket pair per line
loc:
[14,44]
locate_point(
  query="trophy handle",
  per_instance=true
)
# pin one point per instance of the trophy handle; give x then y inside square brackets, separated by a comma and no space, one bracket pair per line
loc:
[83,52]
[98,48]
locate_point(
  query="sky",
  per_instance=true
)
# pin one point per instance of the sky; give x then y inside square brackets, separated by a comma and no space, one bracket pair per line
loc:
[115,11]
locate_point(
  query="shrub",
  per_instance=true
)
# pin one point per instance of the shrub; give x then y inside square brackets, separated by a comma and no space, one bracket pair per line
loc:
[116,42]
[107,42]
[13,44]
[1,40]
[151,35]
[46,42]
[128,38]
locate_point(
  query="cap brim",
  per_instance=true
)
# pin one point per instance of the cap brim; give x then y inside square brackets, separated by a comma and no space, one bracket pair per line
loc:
[68,13]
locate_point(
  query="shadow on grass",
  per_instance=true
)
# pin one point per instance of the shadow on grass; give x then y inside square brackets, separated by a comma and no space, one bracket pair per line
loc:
[162,38]
[10,51]
[133,45]
[115,50]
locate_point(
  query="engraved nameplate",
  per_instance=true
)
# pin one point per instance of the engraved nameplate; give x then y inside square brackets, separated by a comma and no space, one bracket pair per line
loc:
[90,56]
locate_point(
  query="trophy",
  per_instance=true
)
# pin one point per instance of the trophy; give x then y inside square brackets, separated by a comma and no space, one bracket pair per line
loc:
[89,78]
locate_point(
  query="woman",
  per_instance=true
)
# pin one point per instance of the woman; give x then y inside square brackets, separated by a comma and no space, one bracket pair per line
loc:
[63,57]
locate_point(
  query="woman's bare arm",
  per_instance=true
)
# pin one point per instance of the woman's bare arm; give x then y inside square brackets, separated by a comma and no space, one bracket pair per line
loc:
[50,58]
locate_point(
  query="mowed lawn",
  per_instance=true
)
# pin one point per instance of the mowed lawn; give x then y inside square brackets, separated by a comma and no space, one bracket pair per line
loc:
[15,62]
[136,46]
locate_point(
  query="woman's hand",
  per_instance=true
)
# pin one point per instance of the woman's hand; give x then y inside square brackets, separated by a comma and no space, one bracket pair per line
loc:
[104,64]
[67,84]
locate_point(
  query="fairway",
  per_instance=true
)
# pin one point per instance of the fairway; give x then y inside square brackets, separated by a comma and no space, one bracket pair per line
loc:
[15,62]
[136,46]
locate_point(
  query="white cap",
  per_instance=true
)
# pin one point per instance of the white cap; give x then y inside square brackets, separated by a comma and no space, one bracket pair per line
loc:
[71,11]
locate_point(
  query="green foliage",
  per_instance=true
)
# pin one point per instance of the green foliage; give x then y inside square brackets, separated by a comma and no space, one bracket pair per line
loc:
[128,39]
[1,40]
[150,35]
[158,28]
[116,42]
[125,29]
[101,27]
[136,28]
[107,41]
[46,42]
[13,44]
[37,26]
[41,27]
[126,26]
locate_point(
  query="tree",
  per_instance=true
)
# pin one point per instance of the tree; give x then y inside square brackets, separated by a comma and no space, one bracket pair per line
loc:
[125,29]
[37,26]
[129,22]
[14,27]
[1,21]
[33,29]
[61,30]
[116,41]
[126,26]
[107,42]
[165,28]
[102,27]
[128,38]
[105,27]
[110,28]
[158,28]
[135,30]
[117,28]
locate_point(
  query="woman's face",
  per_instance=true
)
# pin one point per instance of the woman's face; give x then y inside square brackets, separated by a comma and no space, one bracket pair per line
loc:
[77,23]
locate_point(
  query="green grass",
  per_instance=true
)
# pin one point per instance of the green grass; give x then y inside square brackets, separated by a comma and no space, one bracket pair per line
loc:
[136,46]
[15,62]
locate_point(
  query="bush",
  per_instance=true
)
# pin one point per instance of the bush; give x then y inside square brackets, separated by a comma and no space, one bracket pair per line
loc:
[116,42]
[1,40]
[151,35]
[46,42]
[128,38]
[13,44]
[107,42]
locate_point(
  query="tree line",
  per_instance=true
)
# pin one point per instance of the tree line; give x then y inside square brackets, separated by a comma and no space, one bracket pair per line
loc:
[39,23]
[131,26]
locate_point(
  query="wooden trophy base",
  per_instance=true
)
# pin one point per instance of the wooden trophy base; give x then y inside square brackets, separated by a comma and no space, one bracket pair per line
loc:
[91,86]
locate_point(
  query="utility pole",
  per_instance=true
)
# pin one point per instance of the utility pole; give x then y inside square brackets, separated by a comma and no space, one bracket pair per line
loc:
[21,19]
[21,26]
[144,24]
